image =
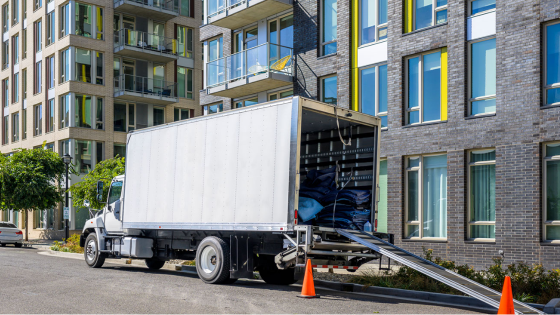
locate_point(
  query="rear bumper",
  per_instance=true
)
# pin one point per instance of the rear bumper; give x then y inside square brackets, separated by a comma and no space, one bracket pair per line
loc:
[11,240]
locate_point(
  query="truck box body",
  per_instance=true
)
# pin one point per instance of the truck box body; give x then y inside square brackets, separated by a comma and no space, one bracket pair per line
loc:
[235,170]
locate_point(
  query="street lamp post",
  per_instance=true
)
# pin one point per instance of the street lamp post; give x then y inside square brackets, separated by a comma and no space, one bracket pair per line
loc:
[67,159]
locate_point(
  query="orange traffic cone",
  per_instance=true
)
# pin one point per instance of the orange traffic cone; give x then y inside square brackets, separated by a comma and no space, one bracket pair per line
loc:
[308,288]
[506,303]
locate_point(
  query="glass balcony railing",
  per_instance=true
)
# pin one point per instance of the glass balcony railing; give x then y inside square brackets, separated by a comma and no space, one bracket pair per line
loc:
[251,62]
[216,7]
[169,5]
[147,41]
[145,86]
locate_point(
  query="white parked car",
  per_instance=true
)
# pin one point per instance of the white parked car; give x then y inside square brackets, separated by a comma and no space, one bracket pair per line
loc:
[10,234]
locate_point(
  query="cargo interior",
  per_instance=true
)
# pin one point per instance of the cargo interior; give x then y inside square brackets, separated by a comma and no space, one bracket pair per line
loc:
[322,149]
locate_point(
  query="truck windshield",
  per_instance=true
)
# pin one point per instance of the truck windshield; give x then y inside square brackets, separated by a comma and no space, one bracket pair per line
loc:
[115,192]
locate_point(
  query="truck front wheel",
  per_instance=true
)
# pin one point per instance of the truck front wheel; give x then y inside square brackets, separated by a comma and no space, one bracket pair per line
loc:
[212,261]
[93,257]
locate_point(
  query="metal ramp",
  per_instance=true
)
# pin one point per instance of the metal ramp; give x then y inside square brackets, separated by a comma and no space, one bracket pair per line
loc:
[434,271]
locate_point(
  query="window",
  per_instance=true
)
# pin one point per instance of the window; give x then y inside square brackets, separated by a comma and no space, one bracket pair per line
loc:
[50,115]
[50,28]
[24,9]
[185,41]
[38,120]
[129,117]
[373,21]
[5,18]
[552,64]
[5,54]
[24,43]
[551,192]
[15,127]
[83,156]
[64,20]
[426,197]
[159,115]
[24,123]
[38,4]
[38,33]
[15,49]
[86,60]
[328,90]
[478,6]
[482,99]
[24,83]
[120,117]
[181,113]
[185,8]
[64,111]
[373,92]
[15,11]
[115,192]
[50,72]
[87,108]
[83,20]
[5,130]
[38,78]
[43,219]
[119,150]
[6,86]
[213,109]
[420,14]
[279,95]
[99,23]
[98,68]
[247,102]
[99,113]
[426,87]
[328,27]
[15,88]
[185,82]
[215,67]
[482,194]
[65,65]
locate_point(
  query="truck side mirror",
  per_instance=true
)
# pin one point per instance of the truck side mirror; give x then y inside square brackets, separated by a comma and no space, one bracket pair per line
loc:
[99,189]
[100,198]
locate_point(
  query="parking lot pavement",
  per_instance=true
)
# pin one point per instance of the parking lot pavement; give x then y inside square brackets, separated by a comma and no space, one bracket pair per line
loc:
[32,283]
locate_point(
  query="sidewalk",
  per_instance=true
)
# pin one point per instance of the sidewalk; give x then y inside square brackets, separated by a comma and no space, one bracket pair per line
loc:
[40,243]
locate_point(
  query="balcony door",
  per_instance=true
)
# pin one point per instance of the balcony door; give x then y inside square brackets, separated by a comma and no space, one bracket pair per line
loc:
[281,39]
[156,39]
[129,71]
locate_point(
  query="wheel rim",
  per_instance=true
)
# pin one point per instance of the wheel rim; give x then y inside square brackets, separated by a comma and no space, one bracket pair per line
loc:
[91,250]
[208,259]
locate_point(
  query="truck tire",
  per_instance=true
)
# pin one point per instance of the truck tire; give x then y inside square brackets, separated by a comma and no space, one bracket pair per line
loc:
[212,261]
[154,264]
[93,257]
[272,275]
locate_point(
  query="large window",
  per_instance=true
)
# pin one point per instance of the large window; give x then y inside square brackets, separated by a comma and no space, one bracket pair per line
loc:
[24,43]
[181,114]
[246,102]
[50,72]
[119,150]
[552,64]
[38,120]
[86,62]
[38,33]
[5,130]
[64,20]
[15,49]
[185,41]
[15,11]
[24,83]
[37,4]
[88,111]
[65,65]
[184,82]
[482,194]
[281,94]
[83,65]
[215,68]
[213,109]
[482,98]
[551,192]
[158,115]
[50,32]
[185,8]
[373,92]
[5,54]
[328,90]
[5,18]
[419,14]
[50,115]
[426,197]
[24,123]
[38,81]
[83,20]
[328,27]
[426,87]
[6,87]
[478,6]
[15,88]
[373,21]
[15,127]
[64,111]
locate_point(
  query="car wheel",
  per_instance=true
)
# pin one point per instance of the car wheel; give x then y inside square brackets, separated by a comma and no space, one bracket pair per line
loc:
[212,261]
[154,264]
[18,245]
[93,257]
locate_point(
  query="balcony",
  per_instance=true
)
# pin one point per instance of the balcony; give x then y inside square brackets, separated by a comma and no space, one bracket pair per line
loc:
[234,14]
[142,89]
[142,45]
[251,71]
[162,10]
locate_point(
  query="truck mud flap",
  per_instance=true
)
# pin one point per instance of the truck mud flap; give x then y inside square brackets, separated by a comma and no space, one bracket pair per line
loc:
[434,271]
[241,257]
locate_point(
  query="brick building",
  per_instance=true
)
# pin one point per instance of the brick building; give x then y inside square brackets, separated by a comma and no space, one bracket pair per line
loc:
[78,75]
[468,96]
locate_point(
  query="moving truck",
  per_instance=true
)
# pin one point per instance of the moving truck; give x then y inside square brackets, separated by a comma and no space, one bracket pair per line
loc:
[224,190]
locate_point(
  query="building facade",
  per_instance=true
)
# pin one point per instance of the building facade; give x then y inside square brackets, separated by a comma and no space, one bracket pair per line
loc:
[467,91]
[78,75]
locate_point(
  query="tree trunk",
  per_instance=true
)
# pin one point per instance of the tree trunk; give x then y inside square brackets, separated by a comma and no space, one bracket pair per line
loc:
[26,226]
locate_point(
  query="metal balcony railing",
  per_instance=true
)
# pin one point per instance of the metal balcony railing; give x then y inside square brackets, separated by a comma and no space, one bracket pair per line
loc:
[147,41]
[145,86]
[260,59]
[170,5]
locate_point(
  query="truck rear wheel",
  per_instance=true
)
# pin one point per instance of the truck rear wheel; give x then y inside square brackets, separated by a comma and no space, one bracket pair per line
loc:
[155,264]
[93,257]
[212,261]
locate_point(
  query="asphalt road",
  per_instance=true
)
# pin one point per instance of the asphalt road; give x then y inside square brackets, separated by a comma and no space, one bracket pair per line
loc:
[33,283]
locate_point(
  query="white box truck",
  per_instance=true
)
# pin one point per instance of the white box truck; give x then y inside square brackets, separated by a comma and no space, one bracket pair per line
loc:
[223,190]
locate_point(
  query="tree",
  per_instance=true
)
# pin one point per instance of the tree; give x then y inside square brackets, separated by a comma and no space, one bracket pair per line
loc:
[30,179]
[87,188]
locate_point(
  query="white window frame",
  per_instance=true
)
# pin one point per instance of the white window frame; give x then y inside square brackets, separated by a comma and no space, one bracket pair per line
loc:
[470,222]
[545,67]
[470,78]
[546,222]
[376,24]
[435,10]
[420,190]
[377,112]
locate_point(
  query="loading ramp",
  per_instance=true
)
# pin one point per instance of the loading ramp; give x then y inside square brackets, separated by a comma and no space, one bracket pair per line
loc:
[434,271]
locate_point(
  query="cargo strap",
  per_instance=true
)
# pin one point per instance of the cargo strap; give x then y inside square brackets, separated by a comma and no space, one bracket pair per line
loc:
[339,134]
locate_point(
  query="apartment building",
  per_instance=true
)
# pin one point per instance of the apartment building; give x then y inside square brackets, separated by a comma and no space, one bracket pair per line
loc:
[467,91]
[78,75]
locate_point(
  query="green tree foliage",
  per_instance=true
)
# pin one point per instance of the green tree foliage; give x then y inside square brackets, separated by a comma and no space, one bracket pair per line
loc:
[87,189]
[30,180]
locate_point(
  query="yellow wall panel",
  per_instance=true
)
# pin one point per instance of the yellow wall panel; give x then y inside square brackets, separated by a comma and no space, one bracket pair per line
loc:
[444,83]
[408,16]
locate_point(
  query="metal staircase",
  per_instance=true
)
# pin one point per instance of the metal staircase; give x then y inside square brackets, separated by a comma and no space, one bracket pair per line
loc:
[434,271]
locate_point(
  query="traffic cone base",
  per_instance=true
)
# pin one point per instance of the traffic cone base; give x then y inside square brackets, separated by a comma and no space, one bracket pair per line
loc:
[506,302]
[308,287]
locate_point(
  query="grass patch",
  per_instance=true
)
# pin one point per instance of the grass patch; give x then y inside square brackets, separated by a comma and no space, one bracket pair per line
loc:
[70,245]
[531,284]
[189,263]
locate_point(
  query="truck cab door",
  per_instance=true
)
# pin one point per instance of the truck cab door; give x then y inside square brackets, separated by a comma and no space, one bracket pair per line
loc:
[113,211]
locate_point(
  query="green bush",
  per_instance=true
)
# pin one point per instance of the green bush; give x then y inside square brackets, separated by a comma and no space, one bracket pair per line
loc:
[529,283]
[72,245]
